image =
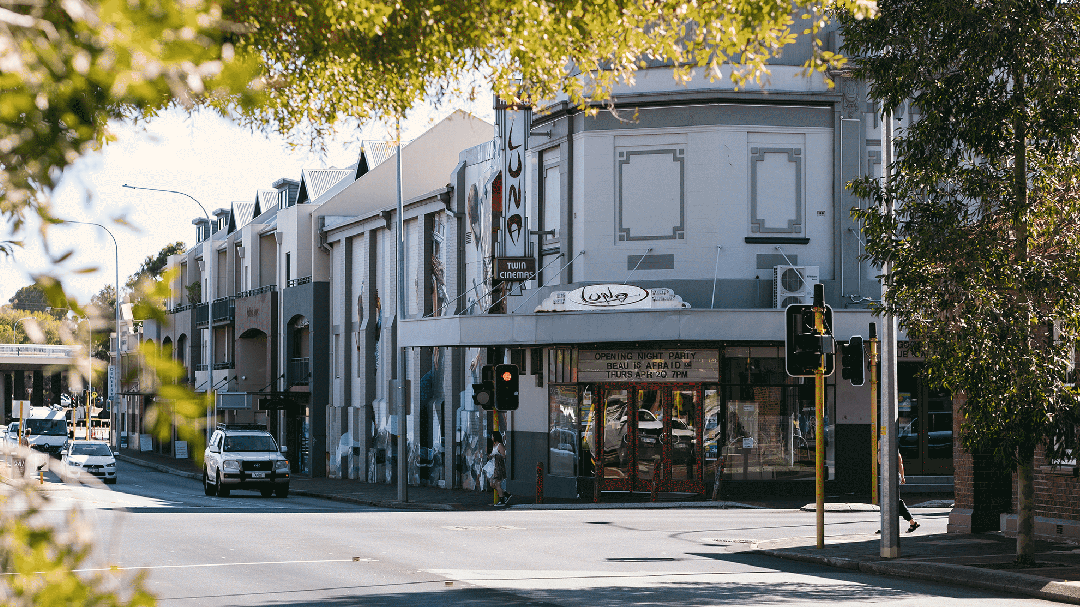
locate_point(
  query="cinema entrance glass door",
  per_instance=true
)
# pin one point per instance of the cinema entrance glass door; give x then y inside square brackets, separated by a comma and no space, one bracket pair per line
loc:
[648,431]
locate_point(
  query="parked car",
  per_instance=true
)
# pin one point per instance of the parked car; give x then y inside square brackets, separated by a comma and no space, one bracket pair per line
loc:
[11,434]
[244,456]
[94,458]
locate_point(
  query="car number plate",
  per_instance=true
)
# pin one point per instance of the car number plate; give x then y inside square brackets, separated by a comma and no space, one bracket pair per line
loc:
[648,439]
[258,475]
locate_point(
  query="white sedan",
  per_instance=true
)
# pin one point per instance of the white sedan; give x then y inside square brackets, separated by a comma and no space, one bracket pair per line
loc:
[94,458]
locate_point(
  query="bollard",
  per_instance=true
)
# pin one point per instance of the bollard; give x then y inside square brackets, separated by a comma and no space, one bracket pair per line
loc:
[539,482]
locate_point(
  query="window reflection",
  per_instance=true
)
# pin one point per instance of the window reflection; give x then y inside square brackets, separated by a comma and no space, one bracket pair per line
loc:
[768,426]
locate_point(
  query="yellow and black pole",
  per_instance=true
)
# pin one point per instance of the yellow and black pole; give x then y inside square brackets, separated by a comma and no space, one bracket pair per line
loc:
[819,416]
[874,414]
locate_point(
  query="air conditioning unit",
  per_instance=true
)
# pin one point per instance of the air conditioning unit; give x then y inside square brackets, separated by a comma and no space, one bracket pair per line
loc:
[794,285]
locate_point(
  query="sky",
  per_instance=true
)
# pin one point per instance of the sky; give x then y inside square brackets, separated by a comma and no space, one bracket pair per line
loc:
[201,154]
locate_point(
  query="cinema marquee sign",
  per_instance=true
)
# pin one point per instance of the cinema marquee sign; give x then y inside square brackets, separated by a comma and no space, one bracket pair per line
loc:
[515,269]
[653,365]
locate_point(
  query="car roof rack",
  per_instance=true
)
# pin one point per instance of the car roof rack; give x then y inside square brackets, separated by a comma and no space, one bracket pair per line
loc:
[258,427]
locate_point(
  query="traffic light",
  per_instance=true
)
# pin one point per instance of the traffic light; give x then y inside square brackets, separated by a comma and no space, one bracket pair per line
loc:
[506,387]
[803,345]
[484,395]
[852,363]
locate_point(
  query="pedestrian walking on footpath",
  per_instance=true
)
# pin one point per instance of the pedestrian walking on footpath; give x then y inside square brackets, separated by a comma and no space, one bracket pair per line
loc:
[498,455]
[904,512]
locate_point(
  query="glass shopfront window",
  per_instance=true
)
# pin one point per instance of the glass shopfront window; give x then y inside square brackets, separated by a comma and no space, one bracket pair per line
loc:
[768,423]
[563,441]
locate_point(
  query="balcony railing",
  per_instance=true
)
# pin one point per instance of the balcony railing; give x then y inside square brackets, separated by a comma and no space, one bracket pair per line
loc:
[202,315]
[200,367]
[180,308]
[224,365]
[296,282]
[223,309]
[299,371]
[259,291]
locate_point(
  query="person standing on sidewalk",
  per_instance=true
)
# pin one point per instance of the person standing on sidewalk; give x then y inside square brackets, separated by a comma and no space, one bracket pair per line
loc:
[904,512]
[498,455]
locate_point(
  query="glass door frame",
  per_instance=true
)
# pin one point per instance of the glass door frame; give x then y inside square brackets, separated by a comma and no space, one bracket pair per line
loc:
[631,435]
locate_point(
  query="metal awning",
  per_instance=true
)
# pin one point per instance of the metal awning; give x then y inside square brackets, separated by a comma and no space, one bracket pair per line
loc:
[569,328]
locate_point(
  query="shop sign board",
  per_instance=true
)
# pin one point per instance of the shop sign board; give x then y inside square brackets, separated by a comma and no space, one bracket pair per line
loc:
[611,297]
[515,269]
[653,365]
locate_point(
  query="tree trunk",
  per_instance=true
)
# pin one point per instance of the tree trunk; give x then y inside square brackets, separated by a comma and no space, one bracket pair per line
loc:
[1025,523]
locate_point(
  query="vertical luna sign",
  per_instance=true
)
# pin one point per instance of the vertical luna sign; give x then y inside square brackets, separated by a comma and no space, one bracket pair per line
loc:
[514,135]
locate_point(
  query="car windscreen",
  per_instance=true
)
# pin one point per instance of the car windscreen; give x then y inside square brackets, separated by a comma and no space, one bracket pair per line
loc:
[47,427]
[253,442]
[90,449]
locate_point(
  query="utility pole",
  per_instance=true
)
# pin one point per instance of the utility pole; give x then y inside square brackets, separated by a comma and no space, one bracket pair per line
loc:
[890,485]
[403,433]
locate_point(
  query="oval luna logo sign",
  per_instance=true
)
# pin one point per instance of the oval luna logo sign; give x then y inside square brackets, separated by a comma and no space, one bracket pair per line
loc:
[607,296]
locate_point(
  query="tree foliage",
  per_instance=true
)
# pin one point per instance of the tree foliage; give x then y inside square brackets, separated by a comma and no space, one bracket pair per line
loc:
[21,327]
[377,58]
[30,298]
[984,245]
[153,266]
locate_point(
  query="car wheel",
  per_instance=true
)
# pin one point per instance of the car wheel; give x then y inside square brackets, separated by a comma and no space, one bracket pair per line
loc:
[266,492]
[222,490]
[282,491]
[207,488]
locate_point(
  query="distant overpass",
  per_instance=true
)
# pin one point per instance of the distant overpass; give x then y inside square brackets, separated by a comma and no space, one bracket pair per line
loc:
[32,357]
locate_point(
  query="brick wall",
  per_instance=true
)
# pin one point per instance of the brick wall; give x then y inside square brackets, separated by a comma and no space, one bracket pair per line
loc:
[982,489]
[1057,491]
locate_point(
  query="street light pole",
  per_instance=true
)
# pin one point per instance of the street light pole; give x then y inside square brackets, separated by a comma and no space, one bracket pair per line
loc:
[209,260]
[403,431]
[116,349]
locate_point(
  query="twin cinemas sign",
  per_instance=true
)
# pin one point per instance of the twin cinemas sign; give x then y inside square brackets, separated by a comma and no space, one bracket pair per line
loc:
[658,365]
[515,269]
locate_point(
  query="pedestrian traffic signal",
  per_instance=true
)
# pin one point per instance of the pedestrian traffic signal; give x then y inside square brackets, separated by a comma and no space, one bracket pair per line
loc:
[803,345]
[852,361]
[506,387]
[484,395]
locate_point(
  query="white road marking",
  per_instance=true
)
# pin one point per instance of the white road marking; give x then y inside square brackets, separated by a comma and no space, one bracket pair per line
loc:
[199,565]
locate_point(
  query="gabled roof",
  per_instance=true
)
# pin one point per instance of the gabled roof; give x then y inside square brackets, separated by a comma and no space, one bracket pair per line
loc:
[264,201]
[372,154]
[314,183]
[429,161]
[241,214]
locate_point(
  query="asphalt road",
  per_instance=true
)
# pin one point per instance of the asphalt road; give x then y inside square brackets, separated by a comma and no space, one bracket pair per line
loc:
[250,550]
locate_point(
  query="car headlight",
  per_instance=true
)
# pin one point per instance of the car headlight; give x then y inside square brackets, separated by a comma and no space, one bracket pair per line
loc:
[230,465]
[281,465]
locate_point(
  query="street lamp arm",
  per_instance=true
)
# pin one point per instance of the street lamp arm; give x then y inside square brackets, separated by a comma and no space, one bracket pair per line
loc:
[135,187]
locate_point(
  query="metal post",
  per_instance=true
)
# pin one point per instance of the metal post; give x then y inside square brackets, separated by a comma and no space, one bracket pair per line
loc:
[890,486]
[116,349]
[874,454]
[403,433]
[819,421]
[209,260]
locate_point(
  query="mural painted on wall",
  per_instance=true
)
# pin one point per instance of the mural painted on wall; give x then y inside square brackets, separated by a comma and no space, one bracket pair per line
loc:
[482,200]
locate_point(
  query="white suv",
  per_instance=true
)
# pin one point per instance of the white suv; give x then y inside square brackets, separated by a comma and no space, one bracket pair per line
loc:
[244,456]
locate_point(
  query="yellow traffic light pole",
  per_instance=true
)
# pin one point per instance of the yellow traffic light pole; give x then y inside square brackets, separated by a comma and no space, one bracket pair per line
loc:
[874,414]
[819,420]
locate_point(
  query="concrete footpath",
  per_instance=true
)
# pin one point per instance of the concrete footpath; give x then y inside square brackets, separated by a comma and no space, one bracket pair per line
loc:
[982,561]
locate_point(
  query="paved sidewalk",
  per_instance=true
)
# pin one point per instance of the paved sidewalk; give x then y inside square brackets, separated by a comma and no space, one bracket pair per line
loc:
[980,561]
